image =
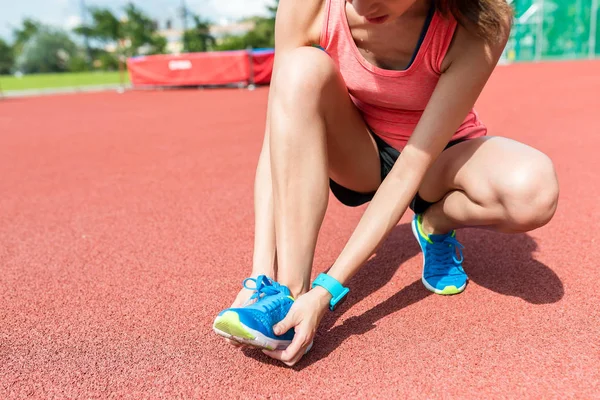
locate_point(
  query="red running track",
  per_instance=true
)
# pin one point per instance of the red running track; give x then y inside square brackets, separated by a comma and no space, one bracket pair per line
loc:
[126,224]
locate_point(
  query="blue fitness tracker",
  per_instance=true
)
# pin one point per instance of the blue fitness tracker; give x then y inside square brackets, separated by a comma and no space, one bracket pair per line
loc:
[336,289]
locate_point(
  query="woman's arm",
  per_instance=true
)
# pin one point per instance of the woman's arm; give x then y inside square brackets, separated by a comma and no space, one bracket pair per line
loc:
[455,95]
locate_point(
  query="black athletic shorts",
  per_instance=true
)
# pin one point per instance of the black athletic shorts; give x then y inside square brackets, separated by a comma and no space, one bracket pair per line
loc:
[387,156]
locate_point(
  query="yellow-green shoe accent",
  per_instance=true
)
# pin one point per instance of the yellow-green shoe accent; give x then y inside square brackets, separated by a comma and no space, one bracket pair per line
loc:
[230,324]
[420,228]
[449,290]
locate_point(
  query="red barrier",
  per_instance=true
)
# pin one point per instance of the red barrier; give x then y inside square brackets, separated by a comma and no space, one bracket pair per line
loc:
[262,63]
[198,69]
[190,69]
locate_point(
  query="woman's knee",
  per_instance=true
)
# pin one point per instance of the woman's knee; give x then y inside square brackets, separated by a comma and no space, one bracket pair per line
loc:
[530,194]
[302,76]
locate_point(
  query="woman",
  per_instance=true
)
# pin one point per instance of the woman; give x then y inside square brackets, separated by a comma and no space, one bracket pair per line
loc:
[383,115]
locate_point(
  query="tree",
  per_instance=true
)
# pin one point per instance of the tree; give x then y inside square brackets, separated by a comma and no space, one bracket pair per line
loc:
[105,27]
[141,32]
[48,50]
[232,42]
[268,25]
[198,38]
[106,30]
[7,58]
[22,35]
[135,34]
[273,11]
[262,35]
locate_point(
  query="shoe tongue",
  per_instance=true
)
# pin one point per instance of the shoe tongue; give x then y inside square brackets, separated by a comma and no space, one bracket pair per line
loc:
[284,290]
[277,286]
[263,280]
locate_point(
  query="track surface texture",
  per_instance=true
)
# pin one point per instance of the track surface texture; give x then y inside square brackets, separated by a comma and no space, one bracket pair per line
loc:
[126,225]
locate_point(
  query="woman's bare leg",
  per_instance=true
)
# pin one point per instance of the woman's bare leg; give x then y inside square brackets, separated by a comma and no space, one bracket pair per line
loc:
[315,133]
[493,183]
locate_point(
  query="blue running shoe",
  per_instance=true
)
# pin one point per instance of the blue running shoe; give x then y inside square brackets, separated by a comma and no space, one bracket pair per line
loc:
[253,323]
[442,270]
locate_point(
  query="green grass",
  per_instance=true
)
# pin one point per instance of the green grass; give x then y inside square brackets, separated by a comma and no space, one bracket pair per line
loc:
[49,81]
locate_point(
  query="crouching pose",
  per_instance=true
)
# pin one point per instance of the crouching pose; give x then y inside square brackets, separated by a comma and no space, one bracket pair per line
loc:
[381,114]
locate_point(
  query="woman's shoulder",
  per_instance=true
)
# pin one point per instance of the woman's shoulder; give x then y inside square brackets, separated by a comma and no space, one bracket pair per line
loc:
[302,19]
[467,42]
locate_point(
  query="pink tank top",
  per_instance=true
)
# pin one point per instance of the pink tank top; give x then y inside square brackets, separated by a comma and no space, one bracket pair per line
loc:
[390,101]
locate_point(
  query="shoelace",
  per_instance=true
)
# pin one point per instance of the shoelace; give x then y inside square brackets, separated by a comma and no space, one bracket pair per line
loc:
[263,287]
[442,258]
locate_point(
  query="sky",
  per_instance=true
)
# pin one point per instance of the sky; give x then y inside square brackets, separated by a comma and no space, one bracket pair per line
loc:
[67,13]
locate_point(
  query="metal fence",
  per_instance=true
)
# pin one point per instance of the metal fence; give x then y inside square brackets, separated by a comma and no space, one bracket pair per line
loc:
[554,30]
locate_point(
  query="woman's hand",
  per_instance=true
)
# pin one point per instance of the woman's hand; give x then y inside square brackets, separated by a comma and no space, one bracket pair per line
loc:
[304,316]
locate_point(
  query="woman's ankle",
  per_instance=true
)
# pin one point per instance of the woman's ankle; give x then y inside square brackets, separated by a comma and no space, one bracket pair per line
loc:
[297,289]
[268,272]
